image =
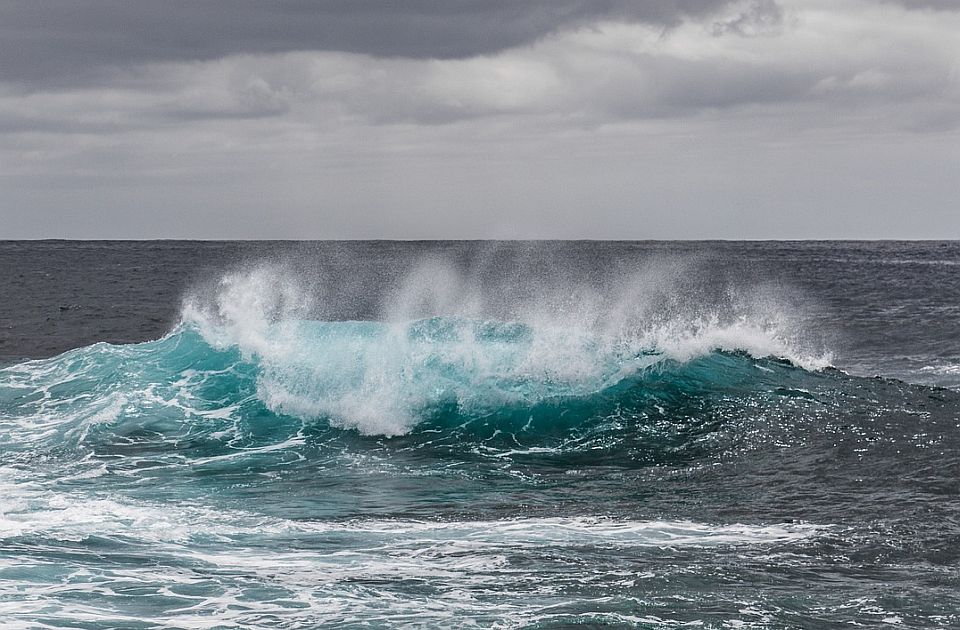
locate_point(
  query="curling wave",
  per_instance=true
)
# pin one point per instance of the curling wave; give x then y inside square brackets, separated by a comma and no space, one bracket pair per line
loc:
[373,377]
[248,370]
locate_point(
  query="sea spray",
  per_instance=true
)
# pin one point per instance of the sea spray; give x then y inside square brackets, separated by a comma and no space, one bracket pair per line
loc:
[443,341]
[554,435]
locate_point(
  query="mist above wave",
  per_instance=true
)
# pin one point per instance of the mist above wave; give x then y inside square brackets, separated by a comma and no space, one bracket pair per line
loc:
[448,334]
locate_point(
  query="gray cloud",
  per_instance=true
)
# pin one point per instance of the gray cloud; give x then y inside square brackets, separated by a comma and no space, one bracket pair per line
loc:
[754,53]
[764,17]
[416,118]
[940,5]
[72,41]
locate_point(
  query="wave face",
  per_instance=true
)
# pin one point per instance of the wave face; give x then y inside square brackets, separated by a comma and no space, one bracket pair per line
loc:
[245,357]
[643,457]
[384,377]
[448,375]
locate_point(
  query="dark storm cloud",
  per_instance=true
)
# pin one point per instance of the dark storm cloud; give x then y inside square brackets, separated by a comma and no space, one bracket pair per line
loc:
[72,40]
[764,16]
[469,118]
[941,5]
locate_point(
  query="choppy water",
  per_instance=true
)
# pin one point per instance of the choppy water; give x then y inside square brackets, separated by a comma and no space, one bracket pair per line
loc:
[549,435]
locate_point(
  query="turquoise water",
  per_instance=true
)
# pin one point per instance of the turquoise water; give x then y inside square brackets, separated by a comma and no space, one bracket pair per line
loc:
[256,467]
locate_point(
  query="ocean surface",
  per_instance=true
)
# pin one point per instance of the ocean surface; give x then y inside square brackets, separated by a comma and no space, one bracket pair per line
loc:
[489,435]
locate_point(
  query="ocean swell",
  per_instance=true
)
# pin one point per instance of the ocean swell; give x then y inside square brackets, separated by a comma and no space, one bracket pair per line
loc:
[383,377]
[249,371]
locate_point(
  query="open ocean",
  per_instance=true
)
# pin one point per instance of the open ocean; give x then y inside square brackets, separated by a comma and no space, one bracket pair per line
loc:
[490,435]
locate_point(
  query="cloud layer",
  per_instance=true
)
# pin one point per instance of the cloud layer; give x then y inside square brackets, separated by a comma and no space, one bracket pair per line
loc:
[343,114]
[61,39]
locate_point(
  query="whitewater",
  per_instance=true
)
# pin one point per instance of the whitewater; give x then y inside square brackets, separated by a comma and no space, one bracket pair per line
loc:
[513,436]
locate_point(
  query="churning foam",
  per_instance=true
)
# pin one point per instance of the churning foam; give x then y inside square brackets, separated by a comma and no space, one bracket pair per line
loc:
[444,338]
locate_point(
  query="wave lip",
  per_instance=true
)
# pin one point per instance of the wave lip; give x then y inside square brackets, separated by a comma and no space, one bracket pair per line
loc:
[374,377]
[383,378]
[250,350]
[444,337]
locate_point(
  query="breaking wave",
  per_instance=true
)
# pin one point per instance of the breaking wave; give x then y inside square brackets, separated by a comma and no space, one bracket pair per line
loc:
[248,348]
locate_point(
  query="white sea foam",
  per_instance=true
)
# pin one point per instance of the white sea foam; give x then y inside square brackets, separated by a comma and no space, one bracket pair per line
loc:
[567,339]
[950,369]
[31,509]
[207,561]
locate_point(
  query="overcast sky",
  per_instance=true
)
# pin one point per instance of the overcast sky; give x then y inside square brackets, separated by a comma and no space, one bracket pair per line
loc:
[480,119]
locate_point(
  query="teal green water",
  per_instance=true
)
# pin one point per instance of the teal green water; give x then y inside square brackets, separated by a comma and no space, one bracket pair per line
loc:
[553,435]
[453,472]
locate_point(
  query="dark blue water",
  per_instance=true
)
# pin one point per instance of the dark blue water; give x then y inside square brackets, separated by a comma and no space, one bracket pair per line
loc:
[514,435]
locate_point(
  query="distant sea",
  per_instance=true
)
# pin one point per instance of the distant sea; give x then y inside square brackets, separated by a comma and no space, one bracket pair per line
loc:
[479,434]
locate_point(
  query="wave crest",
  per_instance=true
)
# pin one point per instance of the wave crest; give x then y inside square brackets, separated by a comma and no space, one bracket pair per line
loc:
[382,377]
